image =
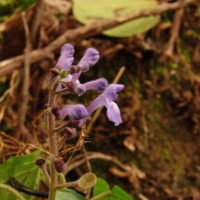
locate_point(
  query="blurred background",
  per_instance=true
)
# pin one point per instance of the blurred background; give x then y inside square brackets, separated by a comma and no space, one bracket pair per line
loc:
[154,153]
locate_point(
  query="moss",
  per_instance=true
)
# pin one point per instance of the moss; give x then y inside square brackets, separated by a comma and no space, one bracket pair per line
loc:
[174,65]
[156,105]
[150,118]
[166,154]
[160,69]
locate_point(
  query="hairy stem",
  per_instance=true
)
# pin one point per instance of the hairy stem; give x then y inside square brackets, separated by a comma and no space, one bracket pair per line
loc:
[52,140]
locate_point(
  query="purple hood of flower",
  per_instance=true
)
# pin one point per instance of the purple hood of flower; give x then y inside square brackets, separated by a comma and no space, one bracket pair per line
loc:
[99,85]
[65,60]
[89,59]
[74,112]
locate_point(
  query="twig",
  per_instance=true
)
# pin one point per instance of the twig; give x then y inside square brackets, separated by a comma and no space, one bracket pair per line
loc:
[88,165]
[94,155]
[22,110]
[98,111]
[16,142]
[7,66]
[7,95]
[174,31]
[36,20]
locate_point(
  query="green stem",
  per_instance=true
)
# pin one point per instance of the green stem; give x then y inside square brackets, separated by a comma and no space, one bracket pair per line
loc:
[69,184]
[101,196]
[12,190]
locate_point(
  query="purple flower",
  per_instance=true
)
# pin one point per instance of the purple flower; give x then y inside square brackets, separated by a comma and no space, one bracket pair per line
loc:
[71,81]
[106,99]
[99,85]
[65,60]
[73,112]
[89,59]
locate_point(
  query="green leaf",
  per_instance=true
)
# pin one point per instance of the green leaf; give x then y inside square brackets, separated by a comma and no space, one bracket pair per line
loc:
[87,12]
[100,187]
[120,194]
[68,195]
[24,169]
[117,193]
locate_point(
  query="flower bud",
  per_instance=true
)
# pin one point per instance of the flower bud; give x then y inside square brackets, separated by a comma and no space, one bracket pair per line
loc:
[40,162]
[59,165]
[55,110]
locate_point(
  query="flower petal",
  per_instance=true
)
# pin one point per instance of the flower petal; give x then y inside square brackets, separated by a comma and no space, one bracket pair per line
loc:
[113,113]
[98,102]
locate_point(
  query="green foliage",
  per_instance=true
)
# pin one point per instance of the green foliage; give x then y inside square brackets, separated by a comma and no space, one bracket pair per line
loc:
[24,169]
[87,12]
[116,193]
[120,194]
[7,7]
[68,194]
[100,187]
[26,3]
